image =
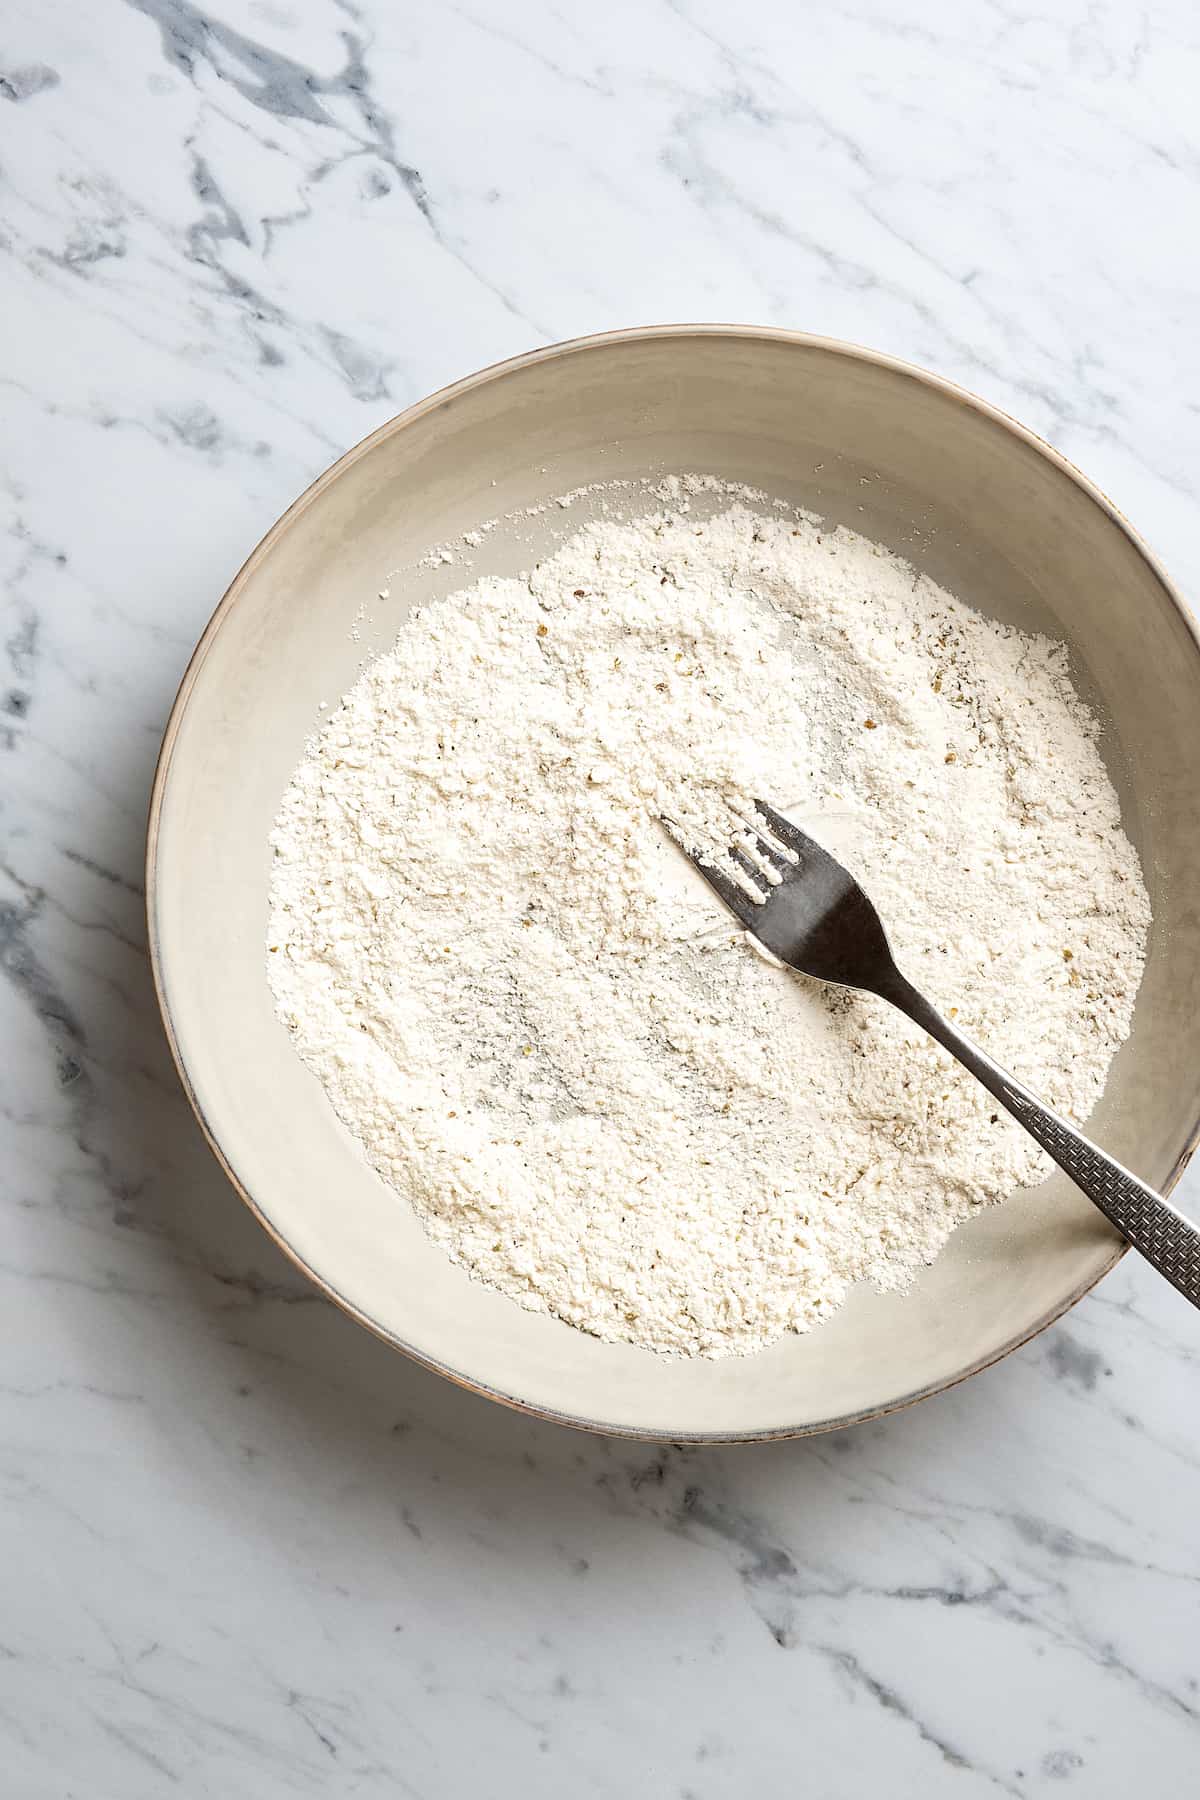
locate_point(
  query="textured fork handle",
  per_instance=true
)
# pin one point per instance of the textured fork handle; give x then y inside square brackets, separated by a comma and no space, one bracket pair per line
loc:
[1152,1225]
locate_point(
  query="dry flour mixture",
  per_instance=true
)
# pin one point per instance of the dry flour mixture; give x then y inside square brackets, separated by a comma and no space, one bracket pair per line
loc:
[544,1031]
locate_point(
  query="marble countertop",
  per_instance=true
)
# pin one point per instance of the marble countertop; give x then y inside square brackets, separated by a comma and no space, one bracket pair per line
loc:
[248,1551]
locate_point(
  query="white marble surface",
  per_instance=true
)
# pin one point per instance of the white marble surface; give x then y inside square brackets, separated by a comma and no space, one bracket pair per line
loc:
[248,1552]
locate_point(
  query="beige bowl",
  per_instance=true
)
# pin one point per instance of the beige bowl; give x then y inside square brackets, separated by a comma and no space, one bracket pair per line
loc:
[978,504]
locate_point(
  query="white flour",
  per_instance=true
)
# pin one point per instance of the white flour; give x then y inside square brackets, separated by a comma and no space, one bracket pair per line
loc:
[549,1037]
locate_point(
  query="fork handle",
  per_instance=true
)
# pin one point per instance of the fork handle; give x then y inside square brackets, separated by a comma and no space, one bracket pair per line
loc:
[1151,1224]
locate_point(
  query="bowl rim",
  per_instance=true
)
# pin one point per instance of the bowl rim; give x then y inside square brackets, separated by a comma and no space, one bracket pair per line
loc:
[402,420]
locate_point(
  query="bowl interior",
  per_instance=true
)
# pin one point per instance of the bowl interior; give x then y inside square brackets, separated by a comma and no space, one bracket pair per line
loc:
[975,503]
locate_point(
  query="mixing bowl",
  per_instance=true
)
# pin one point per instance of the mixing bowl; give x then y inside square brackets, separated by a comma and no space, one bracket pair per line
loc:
[977,503]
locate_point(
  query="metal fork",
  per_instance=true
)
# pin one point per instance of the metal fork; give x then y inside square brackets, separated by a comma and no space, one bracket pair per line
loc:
[805,909]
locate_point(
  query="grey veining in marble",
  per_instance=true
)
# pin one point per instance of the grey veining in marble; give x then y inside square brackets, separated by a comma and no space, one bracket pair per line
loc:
[249,1552]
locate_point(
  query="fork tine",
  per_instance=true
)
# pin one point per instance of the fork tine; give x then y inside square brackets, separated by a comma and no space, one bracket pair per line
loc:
[723,886]
[763,861]
[780,862]
[775,861]
[757,876]
[727,889]
[788,834]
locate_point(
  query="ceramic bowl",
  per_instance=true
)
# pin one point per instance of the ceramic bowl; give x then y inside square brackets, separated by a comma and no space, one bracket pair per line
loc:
[977,503]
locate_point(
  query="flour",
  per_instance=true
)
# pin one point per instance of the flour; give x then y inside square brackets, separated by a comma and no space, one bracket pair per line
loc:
[542,1028]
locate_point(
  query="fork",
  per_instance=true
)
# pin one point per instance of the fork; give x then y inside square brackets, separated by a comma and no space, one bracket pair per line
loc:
[806,910]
